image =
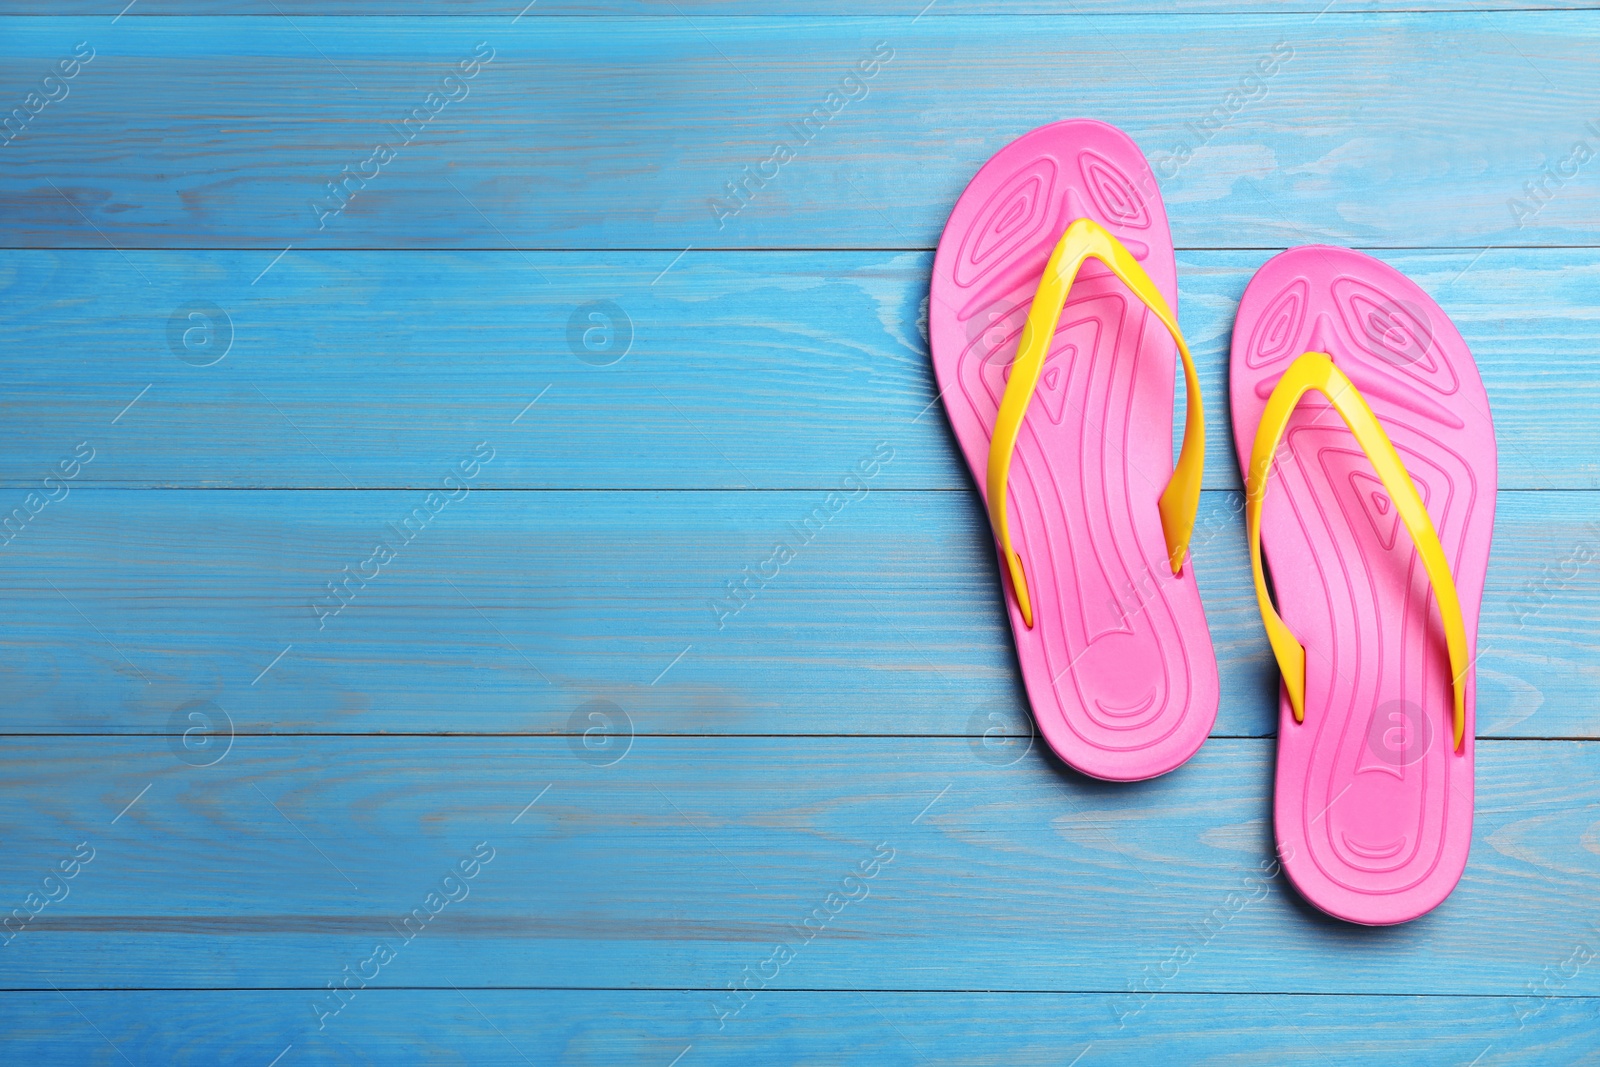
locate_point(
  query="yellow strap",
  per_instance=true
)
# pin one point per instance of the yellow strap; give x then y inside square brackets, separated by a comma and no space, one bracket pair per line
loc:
[1315,370]
[1086,238]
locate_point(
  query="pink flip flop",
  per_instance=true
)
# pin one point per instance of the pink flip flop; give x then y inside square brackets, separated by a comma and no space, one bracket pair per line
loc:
[1373,499]
[1053,341]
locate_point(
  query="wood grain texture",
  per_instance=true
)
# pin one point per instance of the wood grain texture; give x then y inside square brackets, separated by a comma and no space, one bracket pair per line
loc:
[508,9]
[770,370]
[691,858]
[510,612]
[612,1028]
[1393,130]
[675,796]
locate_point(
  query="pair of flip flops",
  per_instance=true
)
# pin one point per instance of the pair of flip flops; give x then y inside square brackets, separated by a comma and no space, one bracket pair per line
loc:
[1368,458]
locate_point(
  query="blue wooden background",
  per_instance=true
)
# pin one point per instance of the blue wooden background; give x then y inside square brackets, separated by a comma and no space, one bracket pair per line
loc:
[526,789]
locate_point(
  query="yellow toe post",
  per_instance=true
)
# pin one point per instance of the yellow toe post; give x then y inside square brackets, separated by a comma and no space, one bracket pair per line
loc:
[1087,239]
[1315,370]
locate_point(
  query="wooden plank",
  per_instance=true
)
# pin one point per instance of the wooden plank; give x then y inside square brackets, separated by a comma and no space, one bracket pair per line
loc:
[508,9]
[512,612]
[742,370]
[140,604]
[228,132]
[691,858]
[612,1028]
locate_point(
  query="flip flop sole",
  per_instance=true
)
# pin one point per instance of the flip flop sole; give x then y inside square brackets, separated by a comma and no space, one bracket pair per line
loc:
[1373,808]
[1118,666]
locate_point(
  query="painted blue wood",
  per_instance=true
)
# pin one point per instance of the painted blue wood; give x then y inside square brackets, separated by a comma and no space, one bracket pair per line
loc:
[661,868]
[734,370]
[1393,130]
[690,859]
[610,1028]
[511,612]
[509,9]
